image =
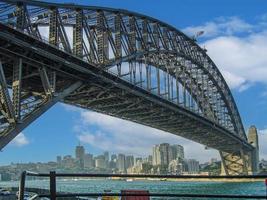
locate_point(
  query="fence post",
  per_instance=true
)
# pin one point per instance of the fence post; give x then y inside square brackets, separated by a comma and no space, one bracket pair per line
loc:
[53,185]
[22,185]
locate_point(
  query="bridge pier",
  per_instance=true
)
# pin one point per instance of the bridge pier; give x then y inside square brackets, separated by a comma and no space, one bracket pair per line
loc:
[240,162]
[254,157]
[235,163]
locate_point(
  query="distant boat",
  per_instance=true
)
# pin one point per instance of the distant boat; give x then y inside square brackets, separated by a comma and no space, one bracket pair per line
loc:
[129,179]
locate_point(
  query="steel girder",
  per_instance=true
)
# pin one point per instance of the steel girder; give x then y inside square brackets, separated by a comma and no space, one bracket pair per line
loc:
[149,54]
[26,104]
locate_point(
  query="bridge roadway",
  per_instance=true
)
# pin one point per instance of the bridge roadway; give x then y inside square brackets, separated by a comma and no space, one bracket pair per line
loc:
[186,95]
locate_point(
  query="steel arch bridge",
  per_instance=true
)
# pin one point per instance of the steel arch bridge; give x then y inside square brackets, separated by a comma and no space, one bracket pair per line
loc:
[116,62]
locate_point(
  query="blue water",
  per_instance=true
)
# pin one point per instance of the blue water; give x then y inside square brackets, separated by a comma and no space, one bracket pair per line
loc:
[99,185]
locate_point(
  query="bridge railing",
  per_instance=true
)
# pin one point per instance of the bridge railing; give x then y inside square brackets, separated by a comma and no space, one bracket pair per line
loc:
[53,195]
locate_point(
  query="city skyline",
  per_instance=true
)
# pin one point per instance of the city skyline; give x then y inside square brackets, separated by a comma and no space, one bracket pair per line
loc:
[165,159]
[227,31]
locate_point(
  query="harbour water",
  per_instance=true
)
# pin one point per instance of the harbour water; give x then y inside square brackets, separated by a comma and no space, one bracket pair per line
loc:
[100,185]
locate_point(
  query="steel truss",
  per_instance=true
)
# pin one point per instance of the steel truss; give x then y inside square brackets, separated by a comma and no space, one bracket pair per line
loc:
[146,69]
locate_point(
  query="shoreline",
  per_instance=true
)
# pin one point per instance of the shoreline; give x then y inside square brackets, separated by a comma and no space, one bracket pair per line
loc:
[204,179]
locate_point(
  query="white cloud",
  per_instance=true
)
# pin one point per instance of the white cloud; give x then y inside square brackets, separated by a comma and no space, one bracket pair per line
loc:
[238,48]
[20,140]
[242,61]
[119,135]
[220,26]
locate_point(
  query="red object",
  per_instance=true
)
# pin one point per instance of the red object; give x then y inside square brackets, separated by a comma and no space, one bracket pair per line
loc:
[266,181]
[139,197]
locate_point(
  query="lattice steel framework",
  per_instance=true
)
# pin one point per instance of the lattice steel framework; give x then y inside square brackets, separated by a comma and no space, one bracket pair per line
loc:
[115,62]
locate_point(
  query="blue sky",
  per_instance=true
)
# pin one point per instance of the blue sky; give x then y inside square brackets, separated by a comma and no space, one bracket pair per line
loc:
[236,39]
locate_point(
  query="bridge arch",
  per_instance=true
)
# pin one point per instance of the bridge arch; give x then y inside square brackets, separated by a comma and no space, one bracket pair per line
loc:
[106,39]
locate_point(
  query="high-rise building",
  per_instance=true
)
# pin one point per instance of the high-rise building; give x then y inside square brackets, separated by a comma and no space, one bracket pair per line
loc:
[113,157]
[88,161]
[177,152]
[59,160]
[121,163]
[68,161]
[164,153]
[149,159]
[129,161]
[79,155]
[192,166]
[175,167]
[172,153]
[161,154]
[100,162]
[156,160]
[138,160]
[106,154]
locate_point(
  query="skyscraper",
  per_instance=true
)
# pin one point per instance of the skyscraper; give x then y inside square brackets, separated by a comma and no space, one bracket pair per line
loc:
[79,155]
[176,152]
[138,160]
[106,154]
[150,158]
[121,163]
[164,153]
[88,161]
[59,159]
[113,157]
[192,166]
[100,162]
[156,155]
[129,161]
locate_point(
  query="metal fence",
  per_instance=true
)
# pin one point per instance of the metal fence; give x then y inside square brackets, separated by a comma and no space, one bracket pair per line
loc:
[53,194]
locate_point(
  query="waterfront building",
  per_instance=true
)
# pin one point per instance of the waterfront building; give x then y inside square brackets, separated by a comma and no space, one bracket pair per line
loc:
[129,161]
[176,152]
[112,164]
[180,151]
[59,160]
[150,159]
[164,153]
[172,153]
[113,157]
[79,155]
[192,166]
[156,155]
[138,160]
[175,167]
[88,161]
[100,162]
[68,162]
[106,154]
[121,163]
